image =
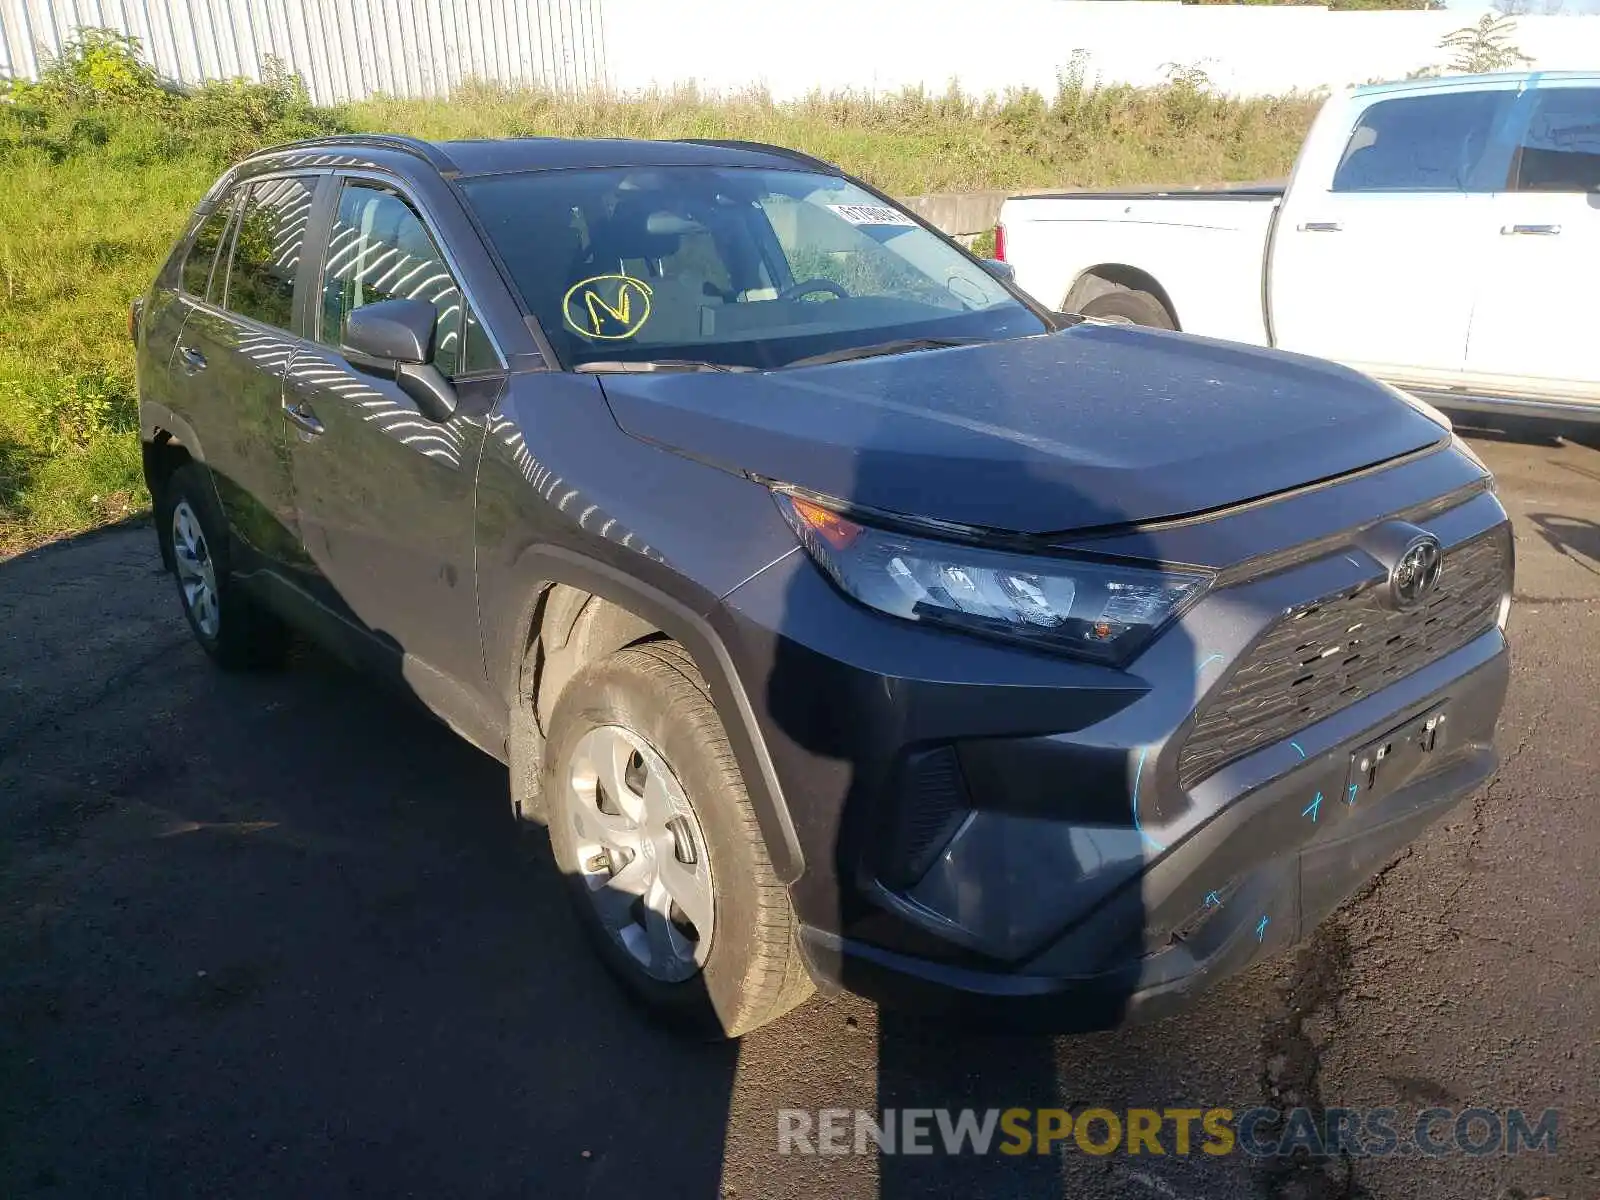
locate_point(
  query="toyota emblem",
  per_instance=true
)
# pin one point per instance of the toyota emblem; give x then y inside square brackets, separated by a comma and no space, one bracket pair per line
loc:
[1416,573]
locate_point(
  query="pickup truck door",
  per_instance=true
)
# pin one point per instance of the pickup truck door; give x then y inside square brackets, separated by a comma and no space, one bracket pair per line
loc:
[1537,312]
[1378,246]
[385,496]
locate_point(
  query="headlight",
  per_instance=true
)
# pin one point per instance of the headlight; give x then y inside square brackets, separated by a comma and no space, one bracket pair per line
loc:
[1098,610]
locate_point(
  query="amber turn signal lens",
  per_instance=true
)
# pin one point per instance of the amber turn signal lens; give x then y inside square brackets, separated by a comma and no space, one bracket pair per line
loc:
[825,523]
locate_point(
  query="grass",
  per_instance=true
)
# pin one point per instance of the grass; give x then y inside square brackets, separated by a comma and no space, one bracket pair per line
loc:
[915,142]
[102,165]
[78,240]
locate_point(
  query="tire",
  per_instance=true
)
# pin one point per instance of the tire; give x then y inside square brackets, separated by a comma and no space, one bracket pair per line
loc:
[1129,307]
[230,626]
[648,707]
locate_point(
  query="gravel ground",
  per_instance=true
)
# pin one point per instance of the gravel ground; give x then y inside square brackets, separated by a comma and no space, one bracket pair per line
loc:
[274,936]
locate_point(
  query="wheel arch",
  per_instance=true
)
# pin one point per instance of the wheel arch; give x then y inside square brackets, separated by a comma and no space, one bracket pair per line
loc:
[1111,277]
[163,454]
[576,627]
[589,610]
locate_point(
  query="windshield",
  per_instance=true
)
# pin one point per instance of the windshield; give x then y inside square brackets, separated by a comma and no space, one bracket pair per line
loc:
[736,267]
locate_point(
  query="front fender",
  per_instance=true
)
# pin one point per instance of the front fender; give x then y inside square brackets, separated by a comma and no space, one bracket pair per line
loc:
[691,630]
[565,497]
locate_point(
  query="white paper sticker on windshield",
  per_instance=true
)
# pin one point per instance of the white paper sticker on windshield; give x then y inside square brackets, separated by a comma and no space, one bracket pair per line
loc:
[871,214]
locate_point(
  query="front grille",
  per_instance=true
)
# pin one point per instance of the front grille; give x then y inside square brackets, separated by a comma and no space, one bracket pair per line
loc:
[1326,655]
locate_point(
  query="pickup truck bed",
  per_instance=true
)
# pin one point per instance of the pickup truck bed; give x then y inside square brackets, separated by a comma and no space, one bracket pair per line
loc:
[1071,248]
[1437,234]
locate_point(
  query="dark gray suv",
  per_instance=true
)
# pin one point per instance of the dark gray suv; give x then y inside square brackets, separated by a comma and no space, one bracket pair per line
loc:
[846,617]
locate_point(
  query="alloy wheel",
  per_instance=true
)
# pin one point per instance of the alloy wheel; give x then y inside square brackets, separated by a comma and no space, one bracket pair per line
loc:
[641,856]
[197,575]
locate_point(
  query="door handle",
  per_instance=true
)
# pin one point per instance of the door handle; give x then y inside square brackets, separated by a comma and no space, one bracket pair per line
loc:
[1540,230]
[1321,227]
[302,416]
[193,360]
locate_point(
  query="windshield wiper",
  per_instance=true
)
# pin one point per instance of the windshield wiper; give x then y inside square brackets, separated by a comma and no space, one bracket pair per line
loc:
[898,346]
[645,366]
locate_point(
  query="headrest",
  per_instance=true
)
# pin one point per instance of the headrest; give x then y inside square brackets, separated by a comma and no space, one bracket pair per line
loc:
[640,233]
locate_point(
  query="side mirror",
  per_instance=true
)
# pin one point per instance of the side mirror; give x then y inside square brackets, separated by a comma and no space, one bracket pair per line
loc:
[400,331]
[1000,270]
[394,339]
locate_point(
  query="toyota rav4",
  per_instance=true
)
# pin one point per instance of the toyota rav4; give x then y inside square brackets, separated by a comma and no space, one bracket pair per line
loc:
[845,616]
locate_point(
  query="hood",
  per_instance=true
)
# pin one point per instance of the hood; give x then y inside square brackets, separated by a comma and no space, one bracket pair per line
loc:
[1092,425]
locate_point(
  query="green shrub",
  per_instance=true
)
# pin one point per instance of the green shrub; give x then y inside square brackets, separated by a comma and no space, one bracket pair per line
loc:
[68,412]
[99,67]
[236,117]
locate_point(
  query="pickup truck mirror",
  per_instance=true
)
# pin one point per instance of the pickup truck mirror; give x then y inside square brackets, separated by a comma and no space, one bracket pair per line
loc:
[394,339]
[1000,269]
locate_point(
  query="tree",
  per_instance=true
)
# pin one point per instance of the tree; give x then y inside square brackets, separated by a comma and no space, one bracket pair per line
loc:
[1486,46]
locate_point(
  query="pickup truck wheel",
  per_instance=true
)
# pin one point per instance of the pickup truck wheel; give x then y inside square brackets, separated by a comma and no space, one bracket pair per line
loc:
[229,625]
[653,830]
[1129,307]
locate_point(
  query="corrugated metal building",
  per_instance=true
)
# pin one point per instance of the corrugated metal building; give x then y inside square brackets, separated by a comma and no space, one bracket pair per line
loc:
[343,49]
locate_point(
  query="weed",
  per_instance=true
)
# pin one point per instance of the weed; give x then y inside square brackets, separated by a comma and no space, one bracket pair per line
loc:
[1484,47]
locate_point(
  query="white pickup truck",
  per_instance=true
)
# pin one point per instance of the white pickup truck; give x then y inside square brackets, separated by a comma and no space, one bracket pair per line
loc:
[1441,234]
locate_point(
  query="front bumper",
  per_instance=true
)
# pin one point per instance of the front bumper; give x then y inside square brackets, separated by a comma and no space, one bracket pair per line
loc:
[980,824]
[1256,879]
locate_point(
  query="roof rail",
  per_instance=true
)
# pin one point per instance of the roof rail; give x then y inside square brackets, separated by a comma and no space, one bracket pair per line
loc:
[426,151]
[801,156]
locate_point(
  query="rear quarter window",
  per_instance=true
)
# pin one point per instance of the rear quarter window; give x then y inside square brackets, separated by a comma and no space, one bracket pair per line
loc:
[195,279]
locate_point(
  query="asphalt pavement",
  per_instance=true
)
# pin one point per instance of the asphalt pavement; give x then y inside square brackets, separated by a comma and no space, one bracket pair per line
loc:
[273,936]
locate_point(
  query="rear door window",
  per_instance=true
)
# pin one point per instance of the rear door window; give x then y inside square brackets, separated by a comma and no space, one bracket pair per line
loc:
[1559,151]
[1430,143]
[202,254]
[266,250]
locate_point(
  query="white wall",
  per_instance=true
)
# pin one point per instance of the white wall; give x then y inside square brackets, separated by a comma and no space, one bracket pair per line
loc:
[346,49]
[793,46]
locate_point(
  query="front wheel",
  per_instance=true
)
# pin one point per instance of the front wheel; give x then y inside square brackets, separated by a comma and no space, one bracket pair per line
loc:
[653,830]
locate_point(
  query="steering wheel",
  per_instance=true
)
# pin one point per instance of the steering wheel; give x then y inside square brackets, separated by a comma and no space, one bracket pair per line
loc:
[795,290]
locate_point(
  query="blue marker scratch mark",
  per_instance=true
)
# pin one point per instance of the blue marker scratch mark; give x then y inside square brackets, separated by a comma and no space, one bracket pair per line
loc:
[1206,663]
[1213,900]
[1261,928]
[1351,798]
[1311,810]
[1296,745]
[1138,773]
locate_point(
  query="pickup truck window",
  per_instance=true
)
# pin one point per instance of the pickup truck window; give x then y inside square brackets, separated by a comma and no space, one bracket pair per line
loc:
[730,266]
[1559,151]
[1423,144]
[379,250]
[266,250]
[196,278]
